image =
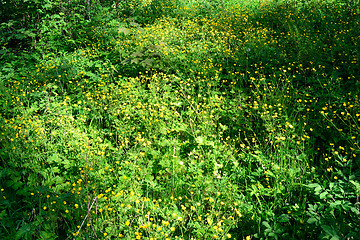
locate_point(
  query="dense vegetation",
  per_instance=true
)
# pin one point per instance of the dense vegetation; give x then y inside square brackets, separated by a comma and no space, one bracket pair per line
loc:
[179,119]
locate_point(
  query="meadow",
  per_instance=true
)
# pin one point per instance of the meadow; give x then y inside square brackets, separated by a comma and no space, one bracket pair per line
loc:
[181,119]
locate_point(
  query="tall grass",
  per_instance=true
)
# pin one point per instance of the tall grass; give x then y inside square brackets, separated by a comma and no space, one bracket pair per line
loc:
[186,120]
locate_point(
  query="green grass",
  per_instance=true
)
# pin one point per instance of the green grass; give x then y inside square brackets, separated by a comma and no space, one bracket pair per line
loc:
[183,120]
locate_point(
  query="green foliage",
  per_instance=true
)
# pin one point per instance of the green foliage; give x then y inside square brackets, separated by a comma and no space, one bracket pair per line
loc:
[179,119]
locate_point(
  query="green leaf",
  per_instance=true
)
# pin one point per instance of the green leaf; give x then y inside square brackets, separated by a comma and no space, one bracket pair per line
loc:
[330,231]
[271,174]
[137,54]
[17,185]
[149,177]
[357,186]
[66,163]
[355,210]
[3,214]
[54,158]
[134,24]
[323,195]
[266,224]
[24,231]
[312,220]
[335,204]
[124,30]
[284,218]
[147,62]
[135,60]
[317,188]
[199,140]
[47,235]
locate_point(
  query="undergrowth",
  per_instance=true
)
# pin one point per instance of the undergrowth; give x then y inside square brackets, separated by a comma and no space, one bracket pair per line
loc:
[180,120]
